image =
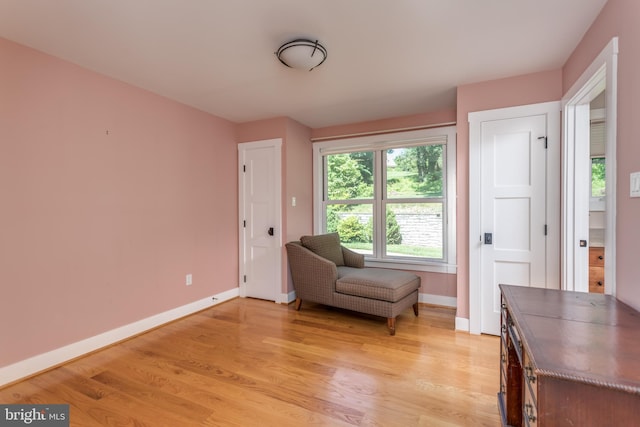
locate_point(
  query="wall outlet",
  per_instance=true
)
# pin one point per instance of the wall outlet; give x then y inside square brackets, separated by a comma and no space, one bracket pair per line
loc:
[189,280]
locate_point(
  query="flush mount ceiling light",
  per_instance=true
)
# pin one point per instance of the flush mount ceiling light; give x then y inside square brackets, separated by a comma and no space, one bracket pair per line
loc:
[302,54]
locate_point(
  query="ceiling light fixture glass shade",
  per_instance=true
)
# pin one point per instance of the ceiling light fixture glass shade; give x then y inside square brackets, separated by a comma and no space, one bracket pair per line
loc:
[302,54]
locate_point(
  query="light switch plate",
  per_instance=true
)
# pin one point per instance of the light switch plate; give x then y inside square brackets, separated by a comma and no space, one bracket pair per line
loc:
[635,185]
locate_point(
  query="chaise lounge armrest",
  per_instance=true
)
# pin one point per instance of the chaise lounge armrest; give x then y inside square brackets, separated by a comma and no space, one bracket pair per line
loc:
[314,276]
[352,259]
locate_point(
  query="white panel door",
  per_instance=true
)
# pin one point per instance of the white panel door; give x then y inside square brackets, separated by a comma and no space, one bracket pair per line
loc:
[513,209]
[260,220]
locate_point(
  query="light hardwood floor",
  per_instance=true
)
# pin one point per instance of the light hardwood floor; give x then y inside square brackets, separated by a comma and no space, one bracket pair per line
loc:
[248,362]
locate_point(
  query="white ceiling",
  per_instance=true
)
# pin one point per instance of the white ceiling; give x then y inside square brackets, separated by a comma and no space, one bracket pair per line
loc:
[386,58]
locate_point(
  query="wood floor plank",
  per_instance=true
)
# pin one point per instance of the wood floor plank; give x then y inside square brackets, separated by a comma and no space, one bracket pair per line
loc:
[251,362]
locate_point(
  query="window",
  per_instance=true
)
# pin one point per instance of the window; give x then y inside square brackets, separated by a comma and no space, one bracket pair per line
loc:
[597,177]
[597,141]
[390,197]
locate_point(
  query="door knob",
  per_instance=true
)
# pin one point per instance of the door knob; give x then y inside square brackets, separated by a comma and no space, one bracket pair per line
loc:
[270,231]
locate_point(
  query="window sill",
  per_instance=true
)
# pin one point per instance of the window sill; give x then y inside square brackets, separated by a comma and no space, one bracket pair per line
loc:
[431,267]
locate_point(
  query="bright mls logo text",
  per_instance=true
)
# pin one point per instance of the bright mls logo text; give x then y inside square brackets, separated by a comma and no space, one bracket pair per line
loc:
[38,415]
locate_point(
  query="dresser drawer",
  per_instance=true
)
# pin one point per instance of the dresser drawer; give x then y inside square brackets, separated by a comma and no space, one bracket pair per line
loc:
[503,366]
[504,315]
[529,414]
[596,257]
[596,279]
[596,270]
[530,379]
[530,402]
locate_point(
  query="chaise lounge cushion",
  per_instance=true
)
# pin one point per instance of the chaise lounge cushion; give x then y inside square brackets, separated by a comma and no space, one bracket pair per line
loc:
[377,283]
[326,245]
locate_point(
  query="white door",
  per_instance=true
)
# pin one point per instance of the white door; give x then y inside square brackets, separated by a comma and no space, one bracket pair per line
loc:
[260,223]
[513,228]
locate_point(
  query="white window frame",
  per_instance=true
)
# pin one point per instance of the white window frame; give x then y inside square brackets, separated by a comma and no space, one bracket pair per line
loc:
[382,142]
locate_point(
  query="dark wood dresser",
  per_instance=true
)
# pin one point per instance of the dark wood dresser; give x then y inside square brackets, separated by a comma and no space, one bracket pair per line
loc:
[596,270]
[568,359]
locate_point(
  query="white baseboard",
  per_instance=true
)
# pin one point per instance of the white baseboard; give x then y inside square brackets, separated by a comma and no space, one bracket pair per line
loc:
[287,298]
[44,361]
[462,324]
[438,300]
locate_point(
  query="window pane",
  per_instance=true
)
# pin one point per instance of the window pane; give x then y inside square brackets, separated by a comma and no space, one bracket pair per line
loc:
[415,172]
[415,230]
[350,176]
[354,223]
[597,177]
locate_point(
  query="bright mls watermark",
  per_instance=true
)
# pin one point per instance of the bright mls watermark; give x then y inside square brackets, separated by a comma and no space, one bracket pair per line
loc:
[34,415]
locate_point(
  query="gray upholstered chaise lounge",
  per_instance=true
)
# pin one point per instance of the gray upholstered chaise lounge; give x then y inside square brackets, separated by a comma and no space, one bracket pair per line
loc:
[327,273]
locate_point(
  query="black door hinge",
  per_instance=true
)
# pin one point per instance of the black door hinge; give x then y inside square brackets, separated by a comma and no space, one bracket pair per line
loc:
[245,278]
[545,229]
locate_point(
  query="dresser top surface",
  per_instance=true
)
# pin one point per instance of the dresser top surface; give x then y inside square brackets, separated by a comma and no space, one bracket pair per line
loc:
[592,338]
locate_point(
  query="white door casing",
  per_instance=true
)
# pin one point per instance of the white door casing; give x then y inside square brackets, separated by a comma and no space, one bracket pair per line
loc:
[600,75]
[576,229]
[260,223]
[514,187]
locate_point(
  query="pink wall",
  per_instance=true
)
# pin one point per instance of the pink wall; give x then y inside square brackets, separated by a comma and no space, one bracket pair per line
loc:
[296,177]
[439,284]
[522,90]
[260,130]
[298,184]
[100,230]
[299,181]
[619,18]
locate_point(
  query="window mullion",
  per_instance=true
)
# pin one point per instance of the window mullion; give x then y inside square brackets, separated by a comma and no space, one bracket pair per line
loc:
[325,192]
[379,173]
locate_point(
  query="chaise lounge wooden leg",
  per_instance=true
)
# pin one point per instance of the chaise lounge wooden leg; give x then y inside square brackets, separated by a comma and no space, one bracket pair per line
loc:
[415,309]
[298,304]
[391,324]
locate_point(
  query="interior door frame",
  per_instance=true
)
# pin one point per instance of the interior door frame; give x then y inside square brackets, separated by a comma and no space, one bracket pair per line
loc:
[276,145]
[552,111]
[601,74]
